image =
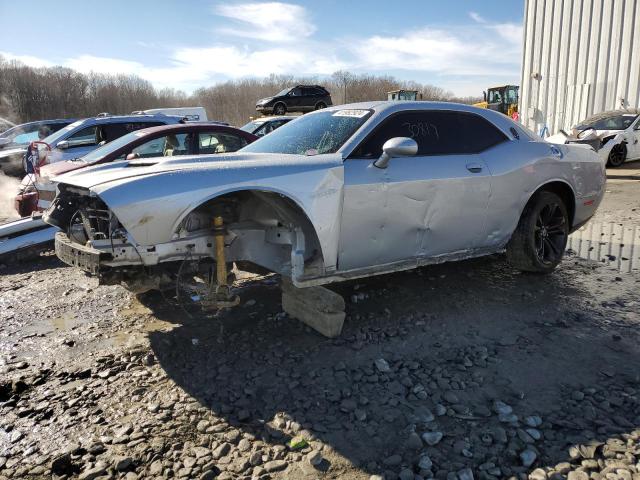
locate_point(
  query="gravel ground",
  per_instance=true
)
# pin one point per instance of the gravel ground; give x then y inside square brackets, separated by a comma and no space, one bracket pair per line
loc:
[459,371]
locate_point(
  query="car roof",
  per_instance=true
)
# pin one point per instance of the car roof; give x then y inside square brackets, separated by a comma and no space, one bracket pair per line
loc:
[274,118]
[42,122]
[134,118]
[191,127]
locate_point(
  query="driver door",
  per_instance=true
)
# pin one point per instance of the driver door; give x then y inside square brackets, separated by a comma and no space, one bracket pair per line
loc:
[294,99]
[427,205]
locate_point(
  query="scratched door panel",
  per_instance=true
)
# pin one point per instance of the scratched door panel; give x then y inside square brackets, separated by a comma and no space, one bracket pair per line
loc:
[417,206]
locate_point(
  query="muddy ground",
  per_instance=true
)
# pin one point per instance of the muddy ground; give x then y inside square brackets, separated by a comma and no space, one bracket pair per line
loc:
[457,371]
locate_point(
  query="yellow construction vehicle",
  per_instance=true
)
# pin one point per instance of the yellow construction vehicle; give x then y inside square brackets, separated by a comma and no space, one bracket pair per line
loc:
[503,99]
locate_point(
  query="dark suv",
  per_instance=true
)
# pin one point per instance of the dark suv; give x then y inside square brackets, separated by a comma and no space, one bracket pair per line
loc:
[301,98]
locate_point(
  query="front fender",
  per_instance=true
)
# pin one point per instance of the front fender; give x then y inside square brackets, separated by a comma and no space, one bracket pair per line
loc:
[151,213]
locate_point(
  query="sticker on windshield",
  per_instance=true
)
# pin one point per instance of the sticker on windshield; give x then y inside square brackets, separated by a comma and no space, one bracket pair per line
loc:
[351,113]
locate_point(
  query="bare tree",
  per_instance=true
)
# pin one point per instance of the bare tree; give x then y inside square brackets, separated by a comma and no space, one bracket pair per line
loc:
[28,93]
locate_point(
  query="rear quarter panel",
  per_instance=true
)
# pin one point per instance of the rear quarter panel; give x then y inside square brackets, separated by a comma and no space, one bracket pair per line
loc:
[520,167]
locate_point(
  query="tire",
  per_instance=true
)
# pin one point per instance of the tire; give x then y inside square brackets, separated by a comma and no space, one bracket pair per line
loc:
[279,109]
[617,156]
[321,105]
[539,241]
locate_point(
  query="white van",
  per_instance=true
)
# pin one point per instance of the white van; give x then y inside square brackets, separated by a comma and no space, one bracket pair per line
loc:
[191,114]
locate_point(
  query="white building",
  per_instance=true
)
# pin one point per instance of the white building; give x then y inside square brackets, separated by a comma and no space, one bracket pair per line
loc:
[580,57]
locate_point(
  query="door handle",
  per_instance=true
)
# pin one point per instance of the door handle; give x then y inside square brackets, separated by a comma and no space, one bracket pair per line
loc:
[474,167]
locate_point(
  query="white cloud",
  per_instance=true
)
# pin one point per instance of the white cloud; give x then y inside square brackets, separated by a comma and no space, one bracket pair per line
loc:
[27,60]
[462,59]
[482,50]
[271,21]
[90,63]
[476,17]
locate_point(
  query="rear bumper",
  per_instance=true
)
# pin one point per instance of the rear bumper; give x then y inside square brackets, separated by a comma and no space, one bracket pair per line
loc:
[85,258]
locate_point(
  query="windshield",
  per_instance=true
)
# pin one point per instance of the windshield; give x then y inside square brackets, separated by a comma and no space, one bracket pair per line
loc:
[54,137]
[608,122]
[251,126]
[12,132]
[283,92]
[99,153]
[313,134]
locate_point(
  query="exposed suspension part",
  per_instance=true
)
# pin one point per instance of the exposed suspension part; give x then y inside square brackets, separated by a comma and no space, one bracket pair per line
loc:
[221,292]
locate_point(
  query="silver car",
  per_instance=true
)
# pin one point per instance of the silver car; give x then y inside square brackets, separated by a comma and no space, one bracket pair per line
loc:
[346,192]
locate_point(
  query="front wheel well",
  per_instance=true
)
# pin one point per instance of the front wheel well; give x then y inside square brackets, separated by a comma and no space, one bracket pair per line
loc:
[266,226]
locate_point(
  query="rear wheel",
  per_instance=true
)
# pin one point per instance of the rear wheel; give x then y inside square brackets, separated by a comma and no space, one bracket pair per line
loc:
[279,109]
[321,105]
[617,156]
[540,239]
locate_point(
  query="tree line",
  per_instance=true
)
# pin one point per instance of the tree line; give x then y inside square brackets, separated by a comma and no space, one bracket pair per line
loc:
[28,93]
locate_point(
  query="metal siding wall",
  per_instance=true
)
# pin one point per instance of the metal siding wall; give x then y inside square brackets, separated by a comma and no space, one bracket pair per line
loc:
[587,53]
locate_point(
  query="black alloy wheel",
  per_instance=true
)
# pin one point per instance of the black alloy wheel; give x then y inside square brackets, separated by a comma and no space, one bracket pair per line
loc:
[279,109]
[550,234]
[617,156]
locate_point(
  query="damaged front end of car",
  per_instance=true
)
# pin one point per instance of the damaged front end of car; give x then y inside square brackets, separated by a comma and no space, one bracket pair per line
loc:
[608,147]
[257,229]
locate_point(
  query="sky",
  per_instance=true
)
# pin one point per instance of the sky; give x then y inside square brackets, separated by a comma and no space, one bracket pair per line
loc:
[463,46]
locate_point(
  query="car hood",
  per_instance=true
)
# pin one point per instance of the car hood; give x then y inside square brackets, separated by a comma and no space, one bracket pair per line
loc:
[12,151]
[234,167]
[600,133]
[58,168]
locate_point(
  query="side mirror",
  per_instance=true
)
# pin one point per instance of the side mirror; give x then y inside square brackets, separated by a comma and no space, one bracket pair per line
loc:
[396,147]
[63,145]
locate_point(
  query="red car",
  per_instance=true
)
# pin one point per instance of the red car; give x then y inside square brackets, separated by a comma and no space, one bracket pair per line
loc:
[38,190]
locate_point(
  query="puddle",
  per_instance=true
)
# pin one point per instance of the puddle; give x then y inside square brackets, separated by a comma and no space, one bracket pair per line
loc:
[613,244]
[65,322]
[138,335]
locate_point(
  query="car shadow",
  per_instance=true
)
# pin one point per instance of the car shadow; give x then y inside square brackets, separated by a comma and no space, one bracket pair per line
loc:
[458,336]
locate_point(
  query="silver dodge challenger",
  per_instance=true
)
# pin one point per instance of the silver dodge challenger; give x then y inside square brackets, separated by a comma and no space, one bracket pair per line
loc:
[345,192]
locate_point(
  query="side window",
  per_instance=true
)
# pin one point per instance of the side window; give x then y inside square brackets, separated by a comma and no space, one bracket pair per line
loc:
[56,126]
[111,131]
[83,138]
[478,134]
[209,143]
[295,92]
[264,129]
[435,132]
[278,124]
[167,146]
[309,91]
[269,127]
[116,130]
